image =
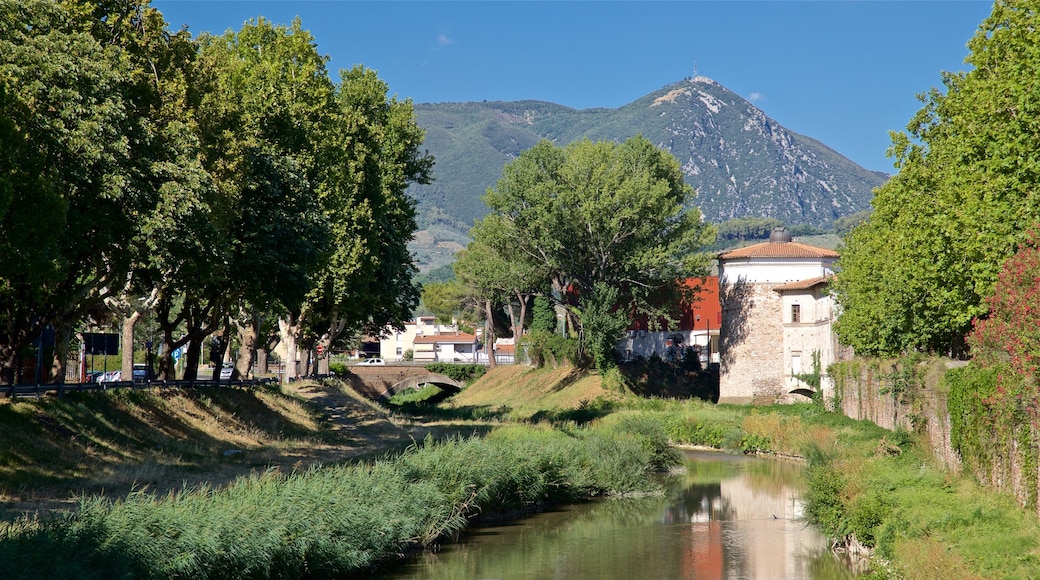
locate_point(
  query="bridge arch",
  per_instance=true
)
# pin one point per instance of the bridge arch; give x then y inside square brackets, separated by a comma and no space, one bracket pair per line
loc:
[443,382]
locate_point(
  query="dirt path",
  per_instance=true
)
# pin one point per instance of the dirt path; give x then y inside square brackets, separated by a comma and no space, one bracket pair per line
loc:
[354,428]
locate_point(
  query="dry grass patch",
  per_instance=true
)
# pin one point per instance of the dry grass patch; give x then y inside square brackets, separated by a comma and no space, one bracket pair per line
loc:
[927,559]
[524,391]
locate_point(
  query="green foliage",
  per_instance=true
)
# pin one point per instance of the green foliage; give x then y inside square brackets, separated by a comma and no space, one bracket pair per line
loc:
[543,315]
[746,228]
[592,215]
[813,379]
[444,299]
[845,224]
[466,373]
[602,325]
[543,348]
[983,415]
[340,369]
[437,275]
[914,276]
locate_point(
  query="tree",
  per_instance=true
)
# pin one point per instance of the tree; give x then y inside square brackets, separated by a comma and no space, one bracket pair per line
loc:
[747,228]
[444,299]
[1011,332]
[965,195]
[496,280]
[76,156]
[366,283]
[543,315]
[619,215]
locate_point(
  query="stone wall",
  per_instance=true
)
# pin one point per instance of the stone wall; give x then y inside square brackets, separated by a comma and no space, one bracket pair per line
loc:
[873,394]
[752,344]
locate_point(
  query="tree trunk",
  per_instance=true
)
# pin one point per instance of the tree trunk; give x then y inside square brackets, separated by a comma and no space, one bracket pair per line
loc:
[290,331]
[127,345]
[512,318]
[489,334]
[247,334]
[60,354]
[191,359]
[523,299]
[262,367]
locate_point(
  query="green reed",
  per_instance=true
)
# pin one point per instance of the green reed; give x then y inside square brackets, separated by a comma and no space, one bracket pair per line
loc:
[335,520]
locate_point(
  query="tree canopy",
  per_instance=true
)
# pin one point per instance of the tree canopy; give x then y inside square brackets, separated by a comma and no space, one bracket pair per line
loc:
[916,273]
[594,215]
[210,179]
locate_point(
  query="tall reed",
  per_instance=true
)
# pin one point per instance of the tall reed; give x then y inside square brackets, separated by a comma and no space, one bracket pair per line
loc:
[334,520]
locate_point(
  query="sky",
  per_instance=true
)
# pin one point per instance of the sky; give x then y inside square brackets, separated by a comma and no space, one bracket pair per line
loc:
[842,72]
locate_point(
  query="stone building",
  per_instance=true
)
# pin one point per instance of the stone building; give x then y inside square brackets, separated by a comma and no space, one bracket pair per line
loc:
[776,318]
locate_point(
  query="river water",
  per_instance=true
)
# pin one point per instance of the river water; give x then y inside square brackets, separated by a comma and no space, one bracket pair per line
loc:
[727,516]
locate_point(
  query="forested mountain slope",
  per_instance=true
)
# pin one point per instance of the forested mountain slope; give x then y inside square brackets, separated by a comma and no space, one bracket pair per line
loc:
[741,162]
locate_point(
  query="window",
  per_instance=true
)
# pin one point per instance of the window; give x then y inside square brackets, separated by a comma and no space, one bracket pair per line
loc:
[796,313]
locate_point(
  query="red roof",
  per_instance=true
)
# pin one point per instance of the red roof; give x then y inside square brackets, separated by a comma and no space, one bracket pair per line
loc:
[779,250]
[448,337]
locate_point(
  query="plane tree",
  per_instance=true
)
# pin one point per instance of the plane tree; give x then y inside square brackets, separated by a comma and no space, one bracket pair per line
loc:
[365,283]
[255,228]
[915,275]
[76,156]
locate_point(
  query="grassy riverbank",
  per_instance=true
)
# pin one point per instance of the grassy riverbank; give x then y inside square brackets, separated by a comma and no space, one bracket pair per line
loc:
[336,520]
[869,487]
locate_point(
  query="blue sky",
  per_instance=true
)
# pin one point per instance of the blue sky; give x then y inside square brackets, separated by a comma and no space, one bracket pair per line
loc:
[843,72]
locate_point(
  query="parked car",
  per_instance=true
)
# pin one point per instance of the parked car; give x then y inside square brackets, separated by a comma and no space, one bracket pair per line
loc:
[110,377]
[141,373]
[225,371]
[374,361]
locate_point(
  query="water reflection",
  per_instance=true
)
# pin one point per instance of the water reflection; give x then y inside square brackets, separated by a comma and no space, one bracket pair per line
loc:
[725,517]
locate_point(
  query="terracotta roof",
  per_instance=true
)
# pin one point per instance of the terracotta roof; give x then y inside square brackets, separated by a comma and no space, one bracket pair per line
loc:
[452,337]
[779,250]
[804,284]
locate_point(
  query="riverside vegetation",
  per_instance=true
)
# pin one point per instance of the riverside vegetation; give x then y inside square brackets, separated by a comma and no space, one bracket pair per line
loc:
[556,436]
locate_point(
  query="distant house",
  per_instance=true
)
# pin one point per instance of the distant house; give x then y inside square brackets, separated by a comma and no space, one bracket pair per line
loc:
[396,342]
[505,351]
[697,326]
[776,318]
[446,347]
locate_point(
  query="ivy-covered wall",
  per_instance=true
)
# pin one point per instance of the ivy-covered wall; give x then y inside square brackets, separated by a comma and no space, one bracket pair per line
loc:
[971,422]
[995,428]
[905,393]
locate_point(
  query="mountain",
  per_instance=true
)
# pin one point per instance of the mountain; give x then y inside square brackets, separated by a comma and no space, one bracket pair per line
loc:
[741,162]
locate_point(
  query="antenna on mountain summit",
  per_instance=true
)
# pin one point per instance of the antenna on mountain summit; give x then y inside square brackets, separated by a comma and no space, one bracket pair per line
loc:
[694,68]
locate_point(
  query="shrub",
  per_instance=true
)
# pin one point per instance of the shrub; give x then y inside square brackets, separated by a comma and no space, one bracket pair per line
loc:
[466,373]
[338,368]
[545,348]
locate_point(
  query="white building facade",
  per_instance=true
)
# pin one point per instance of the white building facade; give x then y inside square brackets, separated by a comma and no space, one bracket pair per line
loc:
[777,317]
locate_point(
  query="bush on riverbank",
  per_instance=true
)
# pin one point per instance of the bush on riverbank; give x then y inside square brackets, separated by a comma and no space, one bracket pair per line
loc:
[334,520]
[920,520]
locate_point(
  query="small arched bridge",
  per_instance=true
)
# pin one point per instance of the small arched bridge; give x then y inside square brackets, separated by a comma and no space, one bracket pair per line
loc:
[443,382]
[382,382]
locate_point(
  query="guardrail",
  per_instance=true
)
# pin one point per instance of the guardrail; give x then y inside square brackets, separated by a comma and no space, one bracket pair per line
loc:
[40,390]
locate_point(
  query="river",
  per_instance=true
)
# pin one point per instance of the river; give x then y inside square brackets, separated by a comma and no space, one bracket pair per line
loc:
[726,516]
